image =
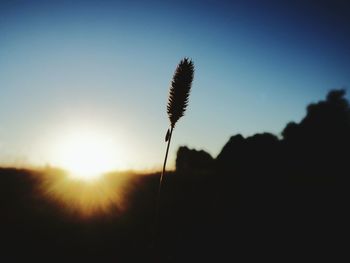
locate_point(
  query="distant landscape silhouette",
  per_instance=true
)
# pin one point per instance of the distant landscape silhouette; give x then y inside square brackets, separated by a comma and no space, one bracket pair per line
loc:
[263,198]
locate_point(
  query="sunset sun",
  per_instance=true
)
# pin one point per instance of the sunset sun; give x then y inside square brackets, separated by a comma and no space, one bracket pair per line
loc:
[87,155]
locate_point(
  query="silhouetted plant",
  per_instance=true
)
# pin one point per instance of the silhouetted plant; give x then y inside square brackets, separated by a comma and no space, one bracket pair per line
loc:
[178,100]
[177,103]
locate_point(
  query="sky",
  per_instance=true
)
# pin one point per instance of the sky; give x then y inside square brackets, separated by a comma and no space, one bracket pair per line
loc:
[105,67]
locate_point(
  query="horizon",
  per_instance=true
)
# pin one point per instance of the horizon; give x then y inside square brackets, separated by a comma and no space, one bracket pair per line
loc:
[105,67]
[338,96]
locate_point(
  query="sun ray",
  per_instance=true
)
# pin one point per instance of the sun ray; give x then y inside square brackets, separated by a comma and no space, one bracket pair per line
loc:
[86,199]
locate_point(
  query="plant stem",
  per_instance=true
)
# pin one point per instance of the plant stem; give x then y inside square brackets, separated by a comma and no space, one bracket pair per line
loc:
[165,160]
[160,186]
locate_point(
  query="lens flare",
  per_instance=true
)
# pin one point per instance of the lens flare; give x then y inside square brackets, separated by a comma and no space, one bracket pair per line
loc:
[106,195]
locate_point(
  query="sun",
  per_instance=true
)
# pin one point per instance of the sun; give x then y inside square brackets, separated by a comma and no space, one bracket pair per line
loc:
[87,154]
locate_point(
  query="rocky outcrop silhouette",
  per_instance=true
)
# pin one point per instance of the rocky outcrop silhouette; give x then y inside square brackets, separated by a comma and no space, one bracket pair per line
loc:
[190,160]
[315,146]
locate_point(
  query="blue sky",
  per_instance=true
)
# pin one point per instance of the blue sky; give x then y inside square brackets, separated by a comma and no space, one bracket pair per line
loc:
[109,64]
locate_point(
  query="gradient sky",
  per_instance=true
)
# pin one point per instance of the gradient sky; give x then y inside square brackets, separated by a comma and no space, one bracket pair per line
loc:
[108,64]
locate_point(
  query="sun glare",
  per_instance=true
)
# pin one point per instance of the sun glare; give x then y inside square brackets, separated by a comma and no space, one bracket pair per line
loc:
[83,198]
[87,155]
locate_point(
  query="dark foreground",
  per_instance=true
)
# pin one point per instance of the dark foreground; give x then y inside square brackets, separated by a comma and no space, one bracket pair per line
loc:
[201,219]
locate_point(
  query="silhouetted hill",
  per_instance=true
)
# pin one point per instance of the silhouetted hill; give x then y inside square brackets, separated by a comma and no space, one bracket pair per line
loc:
[239,152]
[193,160]
[319,144]
[262,198]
